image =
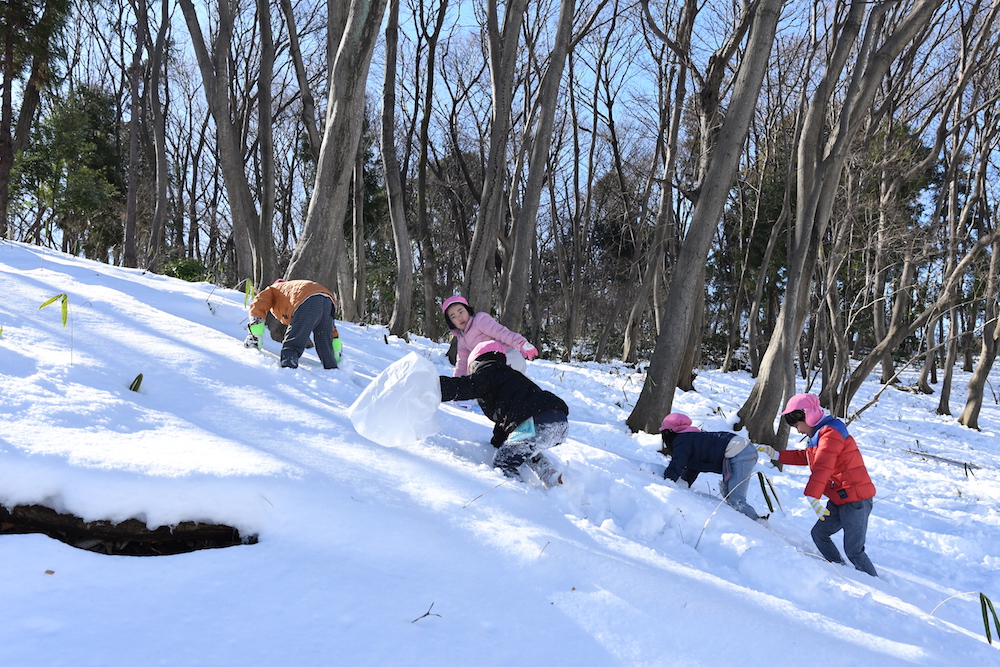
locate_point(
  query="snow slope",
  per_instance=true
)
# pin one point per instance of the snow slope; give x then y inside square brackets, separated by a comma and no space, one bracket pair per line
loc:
[421,555]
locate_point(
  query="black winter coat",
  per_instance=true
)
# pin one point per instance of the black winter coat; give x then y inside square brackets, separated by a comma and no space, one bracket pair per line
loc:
[697,452]
[506,396]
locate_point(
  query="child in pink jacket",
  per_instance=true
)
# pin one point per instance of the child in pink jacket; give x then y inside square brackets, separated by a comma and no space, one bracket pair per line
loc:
[471,328]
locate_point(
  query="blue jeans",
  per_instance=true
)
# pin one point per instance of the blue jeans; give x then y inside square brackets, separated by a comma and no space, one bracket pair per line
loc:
[853,519]
[736,480]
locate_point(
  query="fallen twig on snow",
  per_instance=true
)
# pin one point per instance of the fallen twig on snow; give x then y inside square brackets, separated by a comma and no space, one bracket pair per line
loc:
[428,613]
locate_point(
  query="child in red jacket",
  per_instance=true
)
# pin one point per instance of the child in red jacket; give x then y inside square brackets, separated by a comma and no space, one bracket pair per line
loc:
[838,472]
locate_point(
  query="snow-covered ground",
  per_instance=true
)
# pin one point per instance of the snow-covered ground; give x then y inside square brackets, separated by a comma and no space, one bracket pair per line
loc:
[358,542]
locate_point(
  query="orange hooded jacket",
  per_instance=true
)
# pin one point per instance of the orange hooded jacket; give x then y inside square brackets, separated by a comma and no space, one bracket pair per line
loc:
[282,298]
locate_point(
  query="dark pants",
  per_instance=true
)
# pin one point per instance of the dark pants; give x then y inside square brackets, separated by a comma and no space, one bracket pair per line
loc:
[315,316]
[550,429]
[853,519]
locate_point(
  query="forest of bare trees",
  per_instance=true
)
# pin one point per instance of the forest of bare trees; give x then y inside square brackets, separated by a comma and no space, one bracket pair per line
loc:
[804,191]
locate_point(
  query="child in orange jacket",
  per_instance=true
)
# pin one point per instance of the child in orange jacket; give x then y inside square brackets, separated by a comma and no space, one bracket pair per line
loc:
[304,307]
[838,472]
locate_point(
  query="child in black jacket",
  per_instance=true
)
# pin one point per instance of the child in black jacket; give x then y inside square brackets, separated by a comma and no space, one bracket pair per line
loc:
[527,419]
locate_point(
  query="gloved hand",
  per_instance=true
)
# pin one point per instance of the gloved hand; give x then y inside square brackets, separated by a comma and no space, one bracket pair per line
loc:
[338,346]
[256,335]
[820,508]
[769,450]
[528,351]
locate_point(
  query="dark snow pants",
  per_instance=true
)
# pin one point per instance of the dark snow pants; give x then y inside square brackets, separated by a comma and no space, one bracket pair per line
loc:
[550,429]
[315,316]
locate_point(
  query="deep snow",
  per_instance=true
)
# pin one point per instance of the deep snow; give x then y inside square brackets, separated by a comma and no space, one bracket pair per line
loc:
[357,542]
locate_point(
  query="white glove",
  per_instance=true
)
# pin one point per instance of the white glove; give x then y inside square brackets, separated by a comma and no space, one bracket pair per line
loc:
[769,450]
[820,508]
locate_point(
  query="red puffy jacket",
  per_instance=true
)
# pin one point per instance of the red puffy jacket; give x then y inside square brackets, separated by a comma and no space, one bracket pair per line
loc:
[838,470]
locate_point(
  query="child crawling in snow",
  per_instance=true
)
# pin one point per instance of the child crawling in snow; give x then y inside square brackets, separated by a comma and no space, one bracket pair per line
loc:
[527,419]
[693,451]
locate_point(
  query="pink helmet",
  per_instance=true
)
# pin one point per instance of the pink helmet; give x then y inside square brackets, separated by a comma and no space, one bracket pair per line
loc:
[678,422]
[487,346]
[452,300]
[809,404]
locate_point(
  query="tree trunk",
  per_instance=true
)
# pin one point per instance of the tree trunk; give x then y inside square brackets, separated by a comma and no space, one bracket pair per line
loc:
[820,165]
[256,258]
[950,356]
[14,137]
[657,394]
[428,256]
[131,258]
[154,259]
[988,350]
[321,251]
[503,54]
[524,229]
[399,324]
[665,211]
[305,92]
[360,262]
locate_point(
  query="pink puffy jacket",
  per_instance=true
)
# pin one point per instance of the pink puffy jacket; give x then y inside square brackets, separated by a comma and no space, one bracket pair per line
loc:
[481,328]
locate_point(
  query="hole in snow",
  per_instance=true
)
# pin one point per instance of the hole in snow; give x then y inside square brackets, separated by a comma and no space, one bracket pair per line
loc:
[127,538]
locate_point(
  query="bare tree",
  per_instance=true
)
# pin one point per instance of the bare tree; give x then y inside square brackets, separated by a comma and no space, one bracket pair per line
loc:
[538,137]
[321,253]
[358,228]
[990,343]
[254,245]
[136,79]
[428,258]
[27,44]
[156,60]
[399,324]
[820,164]
[503,56]
[723,143]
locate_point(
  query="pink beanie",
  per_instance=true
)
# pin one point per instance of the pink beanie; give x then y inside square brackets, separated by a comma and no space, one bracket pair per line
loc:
[487,346]
[678,422]
[452,300]
[809,404]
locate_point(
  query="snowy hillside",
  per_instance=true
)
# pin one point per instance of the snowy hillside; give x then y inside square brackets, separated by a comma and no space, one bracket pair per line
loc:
[421,555]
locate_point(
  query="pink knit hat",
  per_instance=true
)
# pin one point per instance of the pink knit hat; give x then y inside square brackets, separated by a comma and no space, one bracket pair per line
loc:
[452,300]
[809,404]
[678,422]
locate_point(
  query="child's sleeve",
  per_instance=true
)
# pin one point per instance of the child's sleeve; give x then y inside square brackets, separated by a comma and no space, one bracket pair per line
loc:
[462,358]
[793,457]
[457,388]
[493,329]
[678,464]
[262,303]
